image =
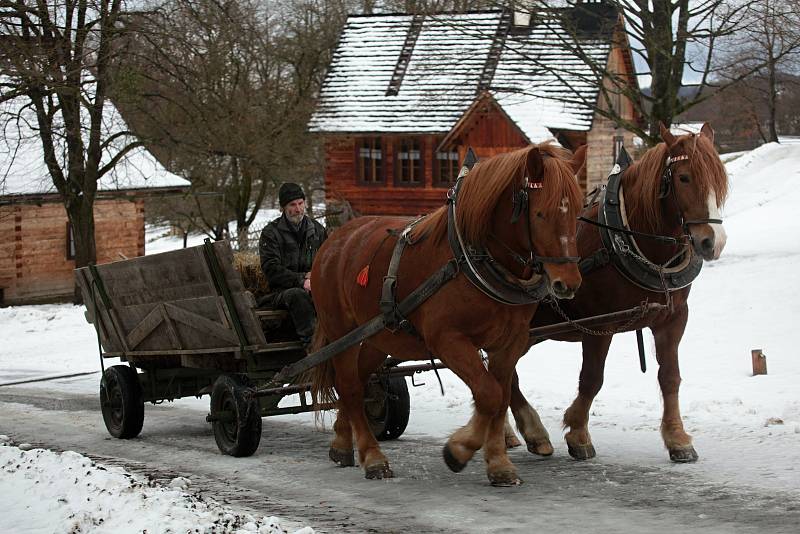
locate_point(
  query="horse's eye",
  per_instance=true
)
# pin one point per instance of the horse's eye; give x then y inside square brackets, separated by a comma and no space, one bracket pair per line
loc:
[539,214]
[684,178]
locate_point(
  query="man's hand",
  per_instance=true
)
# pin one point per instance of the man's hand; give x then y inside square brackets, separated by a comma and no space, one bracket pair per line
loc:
[307,284]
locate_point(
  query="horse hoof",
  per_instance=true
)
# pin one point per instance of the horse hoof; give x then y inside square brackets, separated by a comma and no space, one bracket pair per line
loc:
[451,461]
[683,455]
[342,458]
[512,442]
[378,471]
[504,479]
[541,448]
[581,452]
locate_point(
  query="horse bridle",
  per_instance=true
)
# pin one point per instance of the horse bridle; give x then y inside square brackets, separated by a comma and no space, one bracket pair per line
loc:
[519,201]
[667,189]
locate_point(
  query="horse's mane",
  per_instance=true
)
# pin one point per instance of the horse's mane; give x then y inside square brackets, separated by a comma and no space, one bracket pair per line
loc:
[643,178]
[483,186]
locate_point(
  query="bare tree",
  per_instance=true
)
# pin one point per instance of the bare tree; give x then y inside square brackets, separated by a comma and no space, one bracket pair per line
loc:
[223,93]
[675,39]
[768,51]
[55,79]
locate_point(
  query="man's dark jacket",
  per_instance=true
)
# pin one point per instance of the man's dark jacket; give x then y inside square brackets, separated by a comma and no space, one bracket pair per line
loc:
[286,255]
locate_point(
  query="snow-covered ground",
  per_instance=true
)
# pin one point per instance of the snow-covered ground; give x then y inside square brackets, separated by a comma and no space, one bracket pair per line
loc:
[45,491]
[746,429]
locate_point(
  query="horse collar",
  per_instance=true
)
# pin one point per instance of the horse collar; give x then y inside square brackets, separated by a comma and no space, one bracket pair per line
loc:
[482,270]
[624,252]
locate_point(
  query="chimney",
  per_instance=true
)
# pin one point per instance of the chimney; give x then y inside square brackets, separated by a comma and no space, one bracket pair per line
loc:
[522,18]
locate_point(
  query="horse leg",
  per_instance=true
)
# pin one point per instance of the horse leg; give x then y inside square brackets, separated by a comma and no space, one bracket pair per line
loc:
[499,469]
[576,418]
[512,441]
[667,337]
[462,358]
[528,422]
[353,368]
[341,451]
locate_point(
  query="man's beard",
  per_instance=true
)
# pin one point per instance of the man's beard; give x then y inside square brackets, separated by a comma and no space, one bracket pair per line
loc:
[295,219]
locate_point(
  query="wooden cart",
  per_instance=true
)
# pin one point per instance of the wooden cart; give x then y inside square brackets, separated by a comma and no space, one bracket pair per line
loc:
[187,327]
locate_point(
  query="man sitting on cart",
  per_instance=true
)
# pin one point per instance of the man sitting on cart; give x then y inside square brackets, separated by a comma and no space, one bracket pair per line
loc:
[287,248]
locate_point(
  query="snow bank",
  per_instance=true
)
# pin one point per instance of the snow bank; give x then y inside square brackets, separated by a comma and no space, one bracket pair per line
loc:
[67,492]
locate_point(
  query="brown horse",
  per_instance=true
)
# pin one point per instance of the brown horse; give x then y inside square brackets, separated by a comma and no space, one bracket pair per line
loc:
[452,324]
[674,190]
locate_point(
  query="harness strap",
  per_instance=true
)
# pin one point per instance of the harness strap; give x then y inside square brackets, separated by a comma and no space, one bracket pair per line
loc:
[628,231]
[370,328]
[392,319]
[600,258]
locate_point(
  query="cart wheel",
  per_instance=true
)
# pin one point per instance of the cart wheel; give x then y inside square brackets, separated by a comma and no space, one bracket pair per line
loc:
[236,419]
[121,401]
[388,407]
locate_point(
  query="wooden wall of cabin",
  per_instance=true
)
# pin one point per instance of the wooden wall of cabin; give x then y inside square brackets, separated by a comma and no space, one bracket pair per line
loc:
[33,246]
[489,132]
[388,198]
[605,136]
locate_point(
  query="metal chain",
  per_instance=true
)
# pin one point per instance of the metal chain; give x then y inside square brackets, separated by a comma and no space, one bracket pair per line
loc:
[580,328]
[625,249]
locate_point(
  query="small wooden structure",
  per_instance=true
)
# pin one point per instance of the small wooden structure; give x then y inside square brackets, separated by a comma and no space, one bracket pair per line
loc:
[406,95]
[759,360]
[37,249]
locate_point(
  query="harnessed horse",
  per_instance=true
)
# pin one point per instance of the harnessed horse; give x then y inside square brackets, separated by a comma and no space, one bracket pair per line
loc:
[646,239]
[505,240]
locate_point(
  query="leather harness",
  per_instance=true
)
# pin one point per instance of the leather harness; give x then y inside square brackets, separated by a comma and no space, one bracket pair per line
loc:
[619,244]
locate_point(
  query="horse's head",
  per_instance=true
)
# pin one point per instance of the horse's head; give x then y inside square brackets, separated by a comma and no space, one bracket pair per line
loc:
[694,185]
[554,200]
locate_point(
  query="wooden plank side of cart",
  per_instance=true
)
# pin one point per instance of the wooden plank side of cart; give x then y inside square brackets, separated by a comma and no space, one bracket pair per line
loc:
[169,304]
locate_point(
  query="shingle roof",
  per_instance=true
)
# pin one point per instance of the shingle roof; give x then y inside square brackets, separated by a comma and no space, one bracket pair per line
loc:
[443,74]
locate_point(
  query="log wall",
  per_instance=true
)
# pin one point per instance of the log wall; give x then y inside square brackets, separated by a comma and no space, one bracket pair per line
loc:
[380,199]
[488,133]
[33,246]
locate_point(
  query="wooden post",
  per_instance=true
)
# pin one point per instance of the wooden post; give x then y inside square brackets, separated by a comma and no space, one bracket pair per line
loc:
[759,362]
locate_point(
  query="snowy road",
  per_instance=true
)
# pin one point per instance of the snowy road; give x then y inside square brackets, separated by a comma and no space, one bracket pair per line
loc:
[290,475]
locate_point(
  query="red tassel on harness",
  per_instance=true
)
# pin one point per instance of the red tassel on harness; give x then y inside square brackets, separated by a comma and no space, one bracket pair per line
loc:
[363,277]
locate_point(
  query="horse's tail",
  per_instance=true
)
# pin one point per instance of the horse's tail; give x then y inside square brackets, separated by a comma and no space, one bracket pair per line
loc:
[321,376]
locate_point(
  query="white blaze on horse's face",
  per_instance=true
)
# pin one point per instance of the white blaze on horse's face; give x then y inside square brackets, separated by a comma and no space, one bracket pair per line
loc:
[720,237]
[564,238]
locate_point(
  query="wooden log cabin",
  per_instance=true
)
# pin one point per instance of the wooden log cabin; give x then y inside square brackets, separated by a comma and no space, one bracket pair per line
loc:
[36,247]
[406,95]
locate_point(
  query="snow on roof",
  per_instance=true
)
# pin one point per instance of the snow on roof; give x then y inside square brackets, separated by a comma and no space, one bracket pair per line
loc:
[443,75]
[430,99]
[684,128]
[23,170]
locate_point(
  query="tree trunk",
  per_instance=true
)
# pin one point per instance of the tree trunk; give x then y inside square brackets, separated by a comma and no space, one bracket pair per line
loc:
[772,129]
[242,236]
[80,213]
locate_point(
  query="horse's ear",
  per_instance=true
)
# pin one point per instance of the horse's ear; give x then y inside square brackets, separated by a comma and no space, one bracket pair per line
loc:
[535,165]
[578,159]
[666,135]
[708,131]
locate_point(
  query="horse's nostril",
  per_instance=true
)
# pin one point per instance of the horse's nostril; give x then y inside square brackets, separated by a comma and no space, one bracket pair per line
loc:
[707,244]
[559,286]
